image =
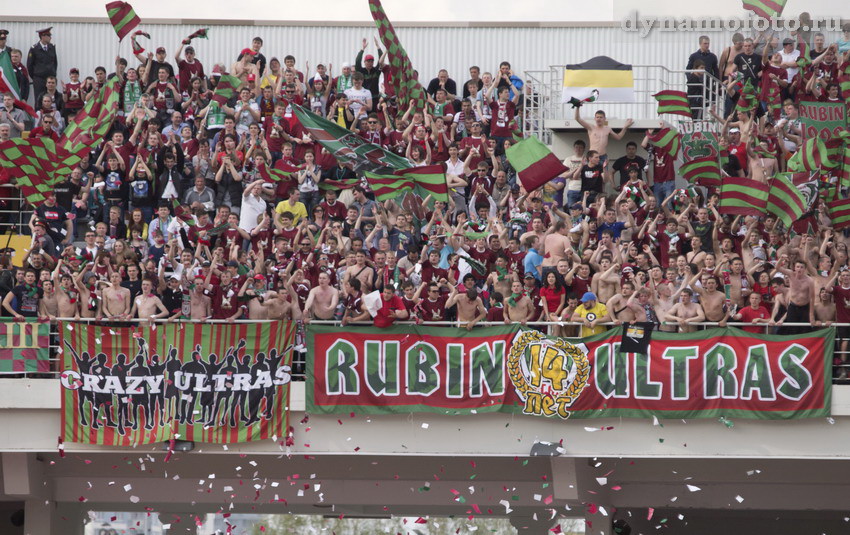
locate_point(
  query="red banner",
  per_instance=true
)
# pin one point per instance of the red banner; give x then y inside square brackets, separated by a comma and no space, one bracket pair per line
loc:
[708,374]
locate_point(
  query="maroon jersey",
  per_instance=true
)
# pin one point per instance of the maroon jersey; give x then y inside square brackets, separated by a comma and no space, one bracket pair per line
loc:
[73,96]
[503,115]
[516,262]
[230,237]
[372,136]
[275,138]
[337,210]
[262,241]
[187,71]
[580,286]
[223,300]
[434,310]
[433,274]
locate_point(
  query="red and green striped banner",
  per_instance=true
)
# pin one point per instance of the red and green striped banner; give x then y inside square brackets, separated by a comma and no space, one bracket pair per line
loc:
[24,347]
[122,17]
[702,172]
[183,212]
[839,213]
[137,48]
[747,100]
[667,140]
[674,102]
[765,8]
[815,155]
[199,34]
[345,183]
[226,88]
[217,383]
[424,181]
[88,128]
[844,80]
[785,201]
[534,163]
[805,58]
[715,373]
[273,174]
[742,196]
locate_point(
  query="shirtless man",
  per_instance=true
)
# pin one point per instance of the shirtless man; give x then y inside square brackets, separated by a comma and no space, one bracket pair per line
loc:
[557,245]
[67,297]
[322,300]
[116,299]
[198,301]
[48,305]
[711,299]
[470,308]
[606,283]
[147,305]
[518,307]
[362,271]
[618,304]
[599,132]
[762,164]
[501,279]
[685,312]
[739,289]
[89,299]
[254,289]
[801,293]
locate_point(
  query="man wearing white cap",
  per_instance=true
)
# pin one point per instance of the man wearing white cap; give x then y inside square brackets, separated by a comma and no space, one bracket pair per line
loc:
[344,81]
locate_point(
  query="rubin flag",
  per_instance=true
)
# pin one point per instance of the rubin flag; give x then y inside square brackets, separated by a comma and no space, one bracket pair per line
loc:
[742,196]
[31,162]
[534,163]
[702,171]
[674,102]
[613,80]
[226,88]
[122,17]
[424,181]
[667,140]
[839,213]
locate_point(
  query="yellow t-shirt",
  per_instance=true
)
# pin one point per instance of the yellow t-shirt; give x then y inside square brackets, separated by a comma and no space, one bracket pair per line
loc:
[599,310]
[298,211]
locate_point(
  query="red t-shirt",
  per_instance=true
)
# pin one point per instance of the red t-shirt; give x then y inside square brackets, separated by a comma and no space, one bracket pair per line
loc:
[748,314]
[662,167]
[841,296]
[552,297]
[73,96]
[503,115]
[386,314]
[273,138]
[187,71]
[224,301]
[337,210]
[433,310]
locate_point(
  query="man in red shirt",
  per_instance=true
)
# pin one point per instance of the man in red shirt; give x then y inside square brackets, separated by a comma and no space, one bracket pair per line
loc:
[755,313]
[841,297]
[187,68]
[503,112]
[391,309]
[334,209]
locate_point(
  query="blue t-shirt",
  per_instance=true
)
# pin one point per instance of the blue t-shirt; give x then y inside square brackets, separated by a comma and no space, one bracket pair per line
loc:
[531,261]
[616,227]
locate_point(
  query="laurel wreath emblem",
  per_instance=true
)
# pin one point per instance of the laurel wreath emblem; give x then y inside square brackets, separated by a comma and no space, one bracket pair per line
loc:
[526,391]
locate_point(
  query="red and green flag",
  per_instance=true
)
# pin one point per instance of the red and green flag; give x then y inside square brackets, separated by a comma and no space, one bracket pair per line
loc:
[424,181]
[183,212]
[349,148]
[407,87]
[9,82]
[345,183]
[199,34]
[273,174]
[88,127]
[24,346]
[765,8]
[666,140]
[742,196]
[785,200]
[124,386]
[20,104]
[122,17]
[702,172]
[815,155]
[226,88]
[747,100]
[805,58]
[534,163]
[31,163]
[674,102]
[844,80]
[839,213]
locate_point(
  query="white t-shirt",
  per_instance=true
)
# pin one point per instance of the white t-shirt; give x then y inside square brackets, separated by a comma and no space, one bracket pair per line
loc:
[573,184]
[790,58]
[252,207]
[361,94]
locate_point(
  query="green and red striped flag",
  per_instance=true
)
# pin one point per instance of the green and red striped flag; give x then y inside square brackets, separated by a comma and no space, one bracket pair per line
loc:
[346,183]
[137,48]
[844,80]
[747,100]
[667,140]
[702,172]
[349,148]
[675,102]
[805,58]
[272,174]
[742,196]
[183,212]
[534,163]
[424,181]
[226,88]
[31,163]
[814,155]
[765,8]
[785,200]
[122,17]
[199,34]
[209,409]
[88,128]
[8,79]
[407,87]
[839,213]
[24,346]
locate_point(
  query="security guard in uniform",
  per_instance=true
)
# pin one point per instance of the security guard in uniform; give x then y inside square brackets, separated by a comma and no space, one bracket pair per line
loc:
[41,61]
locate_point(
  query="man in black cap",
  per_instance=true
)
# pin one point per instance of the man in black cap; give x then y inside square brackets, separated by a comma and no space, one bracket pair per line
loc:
[3,47]
[41,61]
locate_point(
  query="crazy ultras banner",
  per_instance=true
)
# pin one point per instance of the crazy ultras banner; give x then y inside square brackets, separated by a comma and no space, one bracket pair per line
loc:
[712,373]
[218,383]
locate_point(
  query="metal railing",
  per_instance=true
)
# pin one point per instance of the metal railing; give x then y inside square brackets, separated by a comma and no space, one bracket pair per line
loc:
[841,367]
[14,211]
[547,105]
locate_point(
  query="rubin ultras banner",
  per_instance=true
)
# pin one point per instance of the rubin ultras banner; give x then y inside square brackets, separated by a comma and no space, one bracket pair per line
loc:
[218,383]
[707,374]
